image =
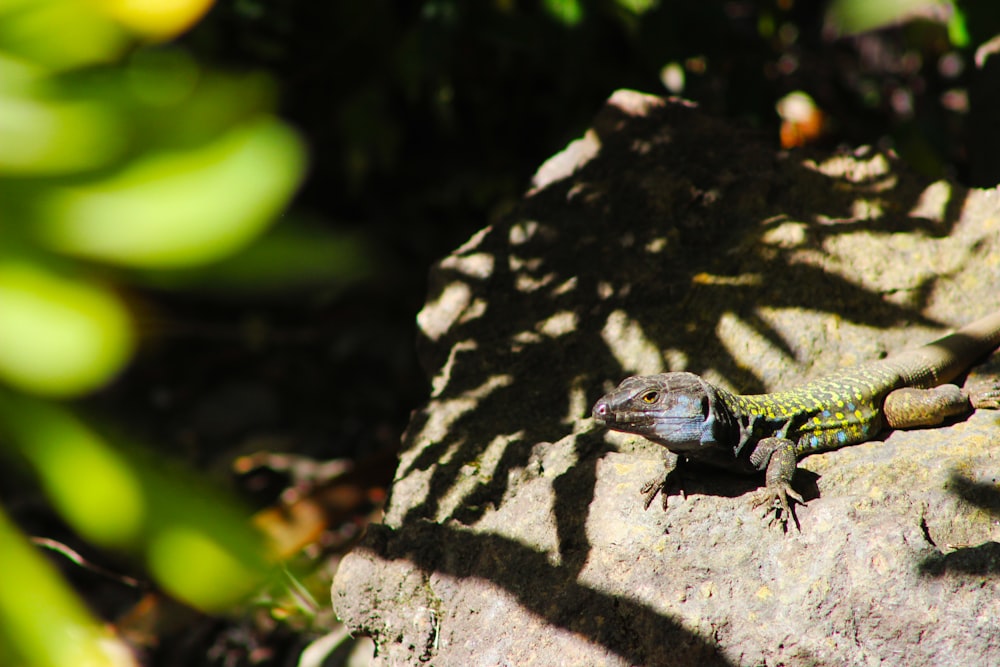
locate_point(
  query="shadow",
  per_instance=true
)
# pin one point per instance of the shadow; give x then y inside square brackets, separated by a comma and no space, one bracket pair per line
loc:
[630,629]
[573,489]
[979,560]
[978,494]
[579,246]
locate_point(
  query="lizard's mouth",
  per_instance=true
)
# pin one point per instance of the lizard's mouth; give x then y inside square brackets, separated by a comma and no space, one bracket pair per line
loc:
[630,421]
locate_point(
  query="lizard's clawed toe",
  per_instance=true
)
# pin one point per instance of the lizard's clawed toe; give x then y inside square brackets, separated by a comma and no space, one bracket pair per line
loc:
[777,497]
[662,486]
[651,489]
[988,399]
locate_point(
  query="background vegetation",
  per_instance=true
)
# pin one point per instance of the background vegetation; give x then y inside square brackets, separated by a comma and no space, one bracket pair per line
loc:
[214,235]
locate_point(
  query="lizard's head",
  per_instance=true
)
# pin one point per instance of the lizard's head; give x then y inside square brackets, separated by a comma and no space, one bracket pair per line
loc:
[677,410]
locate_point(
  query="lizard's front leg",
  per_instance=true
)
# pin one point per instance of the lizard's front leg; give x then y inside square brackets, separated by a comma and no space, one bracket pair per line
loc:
[777,457]
[672,470]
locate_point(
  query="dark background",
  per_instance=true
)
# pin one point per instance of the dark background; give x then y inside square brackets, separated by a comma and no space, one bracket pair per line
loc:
[425,120]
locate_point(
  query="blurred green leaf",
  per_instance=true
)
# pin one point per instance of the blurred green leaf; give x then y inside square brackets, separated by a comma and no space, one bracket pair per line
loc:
[97,118]
[40,136]
[42,623]
[197,542]
[89,482]
[43,132]
[194,563]
[958,30]
[567,12]
[171,102]
[638,7]
[154,19]
[60,34]
[178,208]
[290,255]
[58,336]
[854,16]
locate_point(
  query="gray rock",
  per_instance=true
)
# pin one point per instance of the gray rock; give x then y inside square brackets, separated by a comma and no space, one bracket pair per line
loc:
[668,240]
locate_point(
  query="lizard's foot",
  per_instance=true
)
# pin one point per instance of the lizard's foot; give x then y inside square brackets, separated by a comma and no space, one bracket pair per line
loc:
[987,399]
[658,486]
[650,490]
[776,496]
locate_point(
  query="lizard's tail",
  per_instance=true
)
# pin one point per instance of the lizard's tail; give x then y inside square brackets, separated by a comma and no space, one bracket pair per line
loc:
[948,356]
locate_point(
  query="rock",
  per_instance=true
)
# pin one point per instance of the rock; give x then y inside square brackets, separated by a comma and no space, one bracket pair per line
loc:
[665,239]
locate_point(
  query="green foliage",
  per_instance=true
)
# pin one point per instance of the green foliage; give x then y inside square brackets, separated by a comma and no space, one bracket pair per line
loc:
[176,208]
[854,16]
[568,12]
[41,621]
[195,541]
[150,164]
[123,162]
[58,336]
[59,34]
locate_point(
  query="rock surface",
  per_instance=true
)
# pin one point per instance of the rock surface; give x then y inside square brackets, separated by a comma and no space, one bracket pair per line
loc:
[668,240]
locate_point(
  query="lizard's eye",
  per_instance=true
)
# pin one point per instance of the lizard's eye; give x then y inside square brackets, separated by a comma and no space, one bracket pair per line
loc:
[650,396]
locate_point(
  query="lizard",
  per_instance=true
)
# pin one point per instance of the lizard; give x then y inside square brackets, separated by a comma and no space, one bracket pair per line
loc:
[698,421]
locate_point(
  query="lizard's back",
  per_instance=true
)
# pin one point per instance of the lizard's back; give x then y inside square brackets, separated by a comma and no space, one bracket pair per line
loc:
[840,409]
[846,407]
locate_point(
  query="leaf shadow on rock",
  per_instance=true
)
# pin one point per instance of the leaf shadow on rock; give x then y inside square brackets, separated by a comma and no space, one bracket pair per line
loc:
[978,560]
[650,232]
[548,591]
[577,248]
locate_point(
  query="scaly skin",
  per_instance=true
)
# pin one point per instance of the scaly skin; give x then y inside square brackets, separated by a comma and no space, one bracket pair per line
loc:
[769,432]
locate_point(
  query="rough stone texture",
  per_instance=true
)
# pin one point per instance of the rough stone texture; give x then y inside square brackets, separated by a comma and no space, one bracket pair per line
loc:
[668,240]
